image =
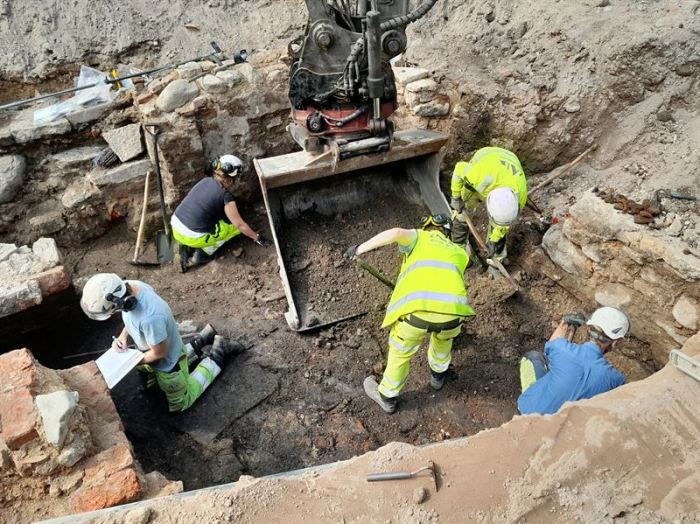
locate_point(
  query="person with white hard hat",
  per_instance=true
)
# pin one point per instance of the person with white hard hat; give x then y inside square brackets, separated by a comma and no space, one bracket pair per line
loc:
[208,217]
[149,321]
[493,175]
[567,371]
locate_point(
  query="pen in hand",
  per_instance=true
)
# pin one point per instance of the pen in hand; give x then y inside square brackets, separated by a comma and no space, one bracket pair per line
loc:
[118,345]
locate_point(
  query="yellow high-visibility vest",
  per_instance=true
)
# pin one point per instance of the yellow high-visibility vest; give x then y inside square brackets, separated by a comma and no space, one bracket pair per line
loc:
[431,279]
[489,168]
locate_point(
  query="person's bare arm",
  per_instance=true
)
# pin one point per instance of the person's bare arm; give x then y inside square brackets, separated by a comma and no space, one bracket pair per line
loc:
[397,234]
[231,210]
[156,352]
[124,339]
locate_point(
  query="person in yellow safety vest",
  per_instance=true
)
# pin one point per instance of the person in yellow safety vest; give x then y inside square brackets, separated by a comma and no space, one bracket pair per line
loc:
[430,297]
[496,176]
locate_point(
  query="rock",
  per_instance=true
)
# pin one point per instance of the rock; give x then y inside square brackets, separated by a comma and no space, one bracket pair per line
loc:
[47,223]
[24,130]
[71,454]
[138,516]
[56,409]
[676,227]
[104,464]
[685,69]
[231,77]
[686,311]
[176,94]
[187,327]
[213,84]
[125,141]
[47,251]
[602,3]
[189,70]
[421,91]
[434,108]
[564,253]
[572,106]
[88,114]
[119,488]
[613,295]
[21,265]
[6,250]
[12,175]
[18,296]
[406,75]
[18,418]
[420,495]
[121,174]
[78,193]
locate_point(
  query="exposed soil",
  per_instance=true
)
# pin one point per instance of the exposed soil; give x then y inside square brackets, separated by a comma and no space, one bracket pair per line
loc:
[296,400]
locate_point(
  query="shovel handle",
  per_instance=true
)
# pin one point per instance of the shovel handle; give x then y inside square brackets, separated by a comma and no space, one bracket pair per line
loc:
[394,475]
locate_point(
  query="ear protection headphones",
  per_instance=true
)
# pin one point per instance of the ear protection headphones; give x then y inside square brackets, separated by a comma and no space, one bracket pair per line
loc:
[127,303]
[440,220]
[226,167]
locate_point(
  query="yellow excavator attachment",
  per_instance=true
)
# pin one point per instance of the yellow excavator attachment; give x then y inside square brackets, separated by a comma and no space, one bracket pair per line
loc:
[326,191]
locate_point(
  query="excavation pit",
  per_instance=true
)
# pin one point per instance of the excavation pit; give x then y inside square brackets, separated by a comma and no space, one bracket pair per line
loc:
[294,400]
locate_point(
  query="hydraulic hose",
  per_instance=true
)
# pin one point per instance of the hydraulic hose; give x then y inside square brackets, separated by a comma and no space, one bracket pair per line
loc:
[400,21]
[393,23]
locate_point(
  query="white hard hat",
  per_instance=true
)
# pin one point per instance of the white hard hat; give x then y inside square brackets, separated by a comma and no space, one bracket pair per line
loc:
[230,165]
[611,321]
[502,206]
[94,302]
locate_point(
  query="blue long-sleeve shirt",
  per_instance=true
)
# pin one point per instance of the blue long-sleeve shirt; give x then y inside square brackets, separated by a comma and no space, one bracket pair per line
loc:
[576,371]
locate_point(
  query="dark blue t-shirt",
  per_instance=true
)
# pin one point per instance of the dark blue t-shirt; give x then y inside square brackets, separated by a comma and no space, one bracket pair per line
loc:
[576,371]
[203,206]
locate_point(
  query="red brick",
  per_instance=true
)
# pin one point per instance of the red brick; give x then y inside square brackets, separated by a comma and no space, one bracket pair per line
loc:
[105,464]
[18,418]
[17,370]
[118,488]
[53,281]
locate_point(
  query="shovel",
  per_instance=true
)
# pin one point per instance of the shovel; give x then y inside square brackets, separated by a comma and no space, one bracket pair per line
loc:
[164,238]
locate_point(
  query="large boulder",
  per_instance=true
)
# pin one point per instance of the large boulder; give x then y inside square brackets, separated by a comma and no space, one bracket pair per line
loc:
[176,94]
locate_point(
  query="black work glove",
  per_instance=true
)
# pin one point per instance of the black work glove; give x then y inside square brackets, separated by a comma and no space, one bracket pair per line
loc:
[351,252]
[263,241]
[494,248]
[574,319]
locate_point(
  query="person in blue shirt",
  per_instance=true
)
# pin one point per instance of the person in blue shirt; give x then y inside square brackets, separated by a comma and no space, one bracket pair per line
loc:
[567,371]
[149,321]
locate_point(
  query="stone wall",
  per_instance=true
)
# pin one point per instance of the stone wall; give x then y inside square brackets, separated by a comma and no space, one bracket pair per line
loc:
[602,256]
[62,444]
[29,275]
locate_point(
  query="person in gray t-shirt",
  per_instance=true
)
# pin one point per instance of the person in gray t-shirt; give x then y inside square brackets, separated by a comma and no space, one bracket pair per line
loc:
[149,321]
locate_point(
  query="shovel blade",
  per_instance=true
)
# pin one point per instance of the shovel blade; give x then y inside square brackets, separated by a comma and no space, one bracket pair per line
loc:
[164,248]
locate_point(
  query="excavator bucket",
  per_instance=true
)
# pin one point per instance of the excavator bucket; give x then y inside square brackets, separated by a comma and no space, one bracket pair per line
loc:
[318,205]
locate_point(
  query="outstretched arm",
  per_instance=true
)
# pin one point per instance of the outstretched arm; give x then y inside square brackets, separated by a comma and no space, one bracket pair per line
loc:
[231,210]
[399,235]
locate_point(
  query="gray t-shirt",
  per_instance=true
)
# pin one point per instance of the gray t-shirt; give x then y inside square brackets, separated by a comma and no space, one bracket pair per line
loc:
[150,323]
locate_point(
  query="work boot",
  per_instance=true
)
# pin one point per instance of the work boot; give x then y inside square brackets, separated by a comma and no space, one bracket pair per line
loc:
[371,389]
[200,258]
[183,255]
[222,349]
[207,333]
[437,380]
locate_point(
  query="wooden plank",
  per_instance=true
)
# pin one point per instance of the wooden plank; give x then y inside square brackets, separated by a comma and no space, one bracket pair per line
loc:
[299,167]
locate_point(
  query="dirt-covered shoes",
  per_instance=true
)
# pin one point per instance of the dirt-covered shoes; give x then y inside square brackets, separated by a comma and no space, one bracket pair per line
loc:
[372,391]
[437,380]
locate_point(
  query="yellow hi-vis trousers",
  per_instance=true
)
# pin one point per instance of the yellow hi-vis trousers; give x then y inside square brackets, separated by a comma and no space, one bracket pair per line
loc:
[404,342]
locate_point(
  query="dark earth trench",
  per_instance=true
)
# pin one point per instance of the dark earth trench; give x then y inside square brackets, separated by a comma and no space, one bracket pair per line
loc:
[296,400]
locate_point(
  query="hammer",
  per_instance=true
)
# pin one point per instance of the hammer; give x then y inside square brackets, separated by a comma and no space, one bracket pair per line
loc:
[403,475]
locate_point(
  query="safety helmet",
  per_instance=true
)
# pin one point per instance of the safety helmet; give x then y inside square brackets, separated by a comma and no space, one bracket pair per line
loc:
[102,295]
[502,206]
[611,321]
[442,220]
[230,165]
